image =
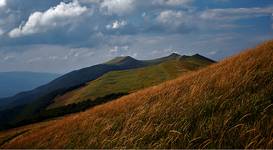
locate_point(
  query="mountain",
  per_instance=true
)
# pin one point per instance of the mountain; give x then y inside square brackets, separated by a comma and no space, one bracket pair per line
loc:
[74,79]
[12,83]
[25,105]
[128,81]
[125,60]
[70,80]
[225,105]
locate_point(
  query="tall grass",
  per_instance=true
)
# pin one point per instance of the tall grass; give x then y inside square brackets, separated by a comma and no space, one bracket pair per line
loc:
[226,105]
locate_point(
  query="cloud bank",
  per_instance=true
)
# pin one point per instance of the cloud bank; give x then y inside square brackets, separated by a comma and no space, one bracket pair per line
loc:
[80,33]
[59,16]
[119,7]
[3,3]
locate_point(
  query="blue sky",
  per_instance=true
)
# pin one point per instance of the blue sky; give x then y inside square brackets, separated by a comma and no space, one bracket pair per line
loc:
[63,35]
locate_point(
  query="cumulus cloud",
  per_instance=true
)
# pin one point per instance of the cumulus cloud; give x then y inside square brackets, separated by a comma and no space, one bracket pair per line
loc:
[117,24]
[172,2]
[3,3]
[235,13]
[119,7]
[172,18]
[114,49]
[60,15]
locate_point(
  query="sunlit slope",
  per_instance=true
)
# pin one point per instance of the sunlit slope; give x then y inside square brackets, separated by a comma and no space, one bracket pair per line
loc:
[131,80]
[226,105]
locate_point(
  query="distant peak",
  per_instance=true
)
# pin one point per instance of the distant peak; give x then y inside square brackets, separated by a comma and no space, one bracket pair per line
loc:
[202,57]
[126,57]
[197,55]
[174,55]
[121,59]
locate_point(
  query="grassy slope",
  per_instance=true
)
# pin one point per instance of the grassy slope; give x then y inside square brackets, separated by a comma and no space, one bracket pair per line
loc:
[130,80]
[226,105]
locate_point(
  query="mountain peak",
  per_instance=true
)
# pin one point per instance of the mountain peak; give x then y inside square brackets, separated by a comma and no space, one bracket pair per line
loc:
[121,60]
[125,57]
[202,57]
[174,55]
[197,55]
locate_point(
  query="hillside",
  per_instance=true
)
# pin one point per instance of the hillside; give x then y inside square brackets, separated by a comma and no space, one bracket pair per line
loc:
[226,105]
[34,103]
[12,83]
[76,79]
[65,82]
[128,81]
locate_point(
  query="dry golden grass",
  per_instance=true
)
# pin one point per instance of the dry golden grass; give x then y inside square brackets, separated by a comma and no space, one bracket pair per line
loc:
[226,105]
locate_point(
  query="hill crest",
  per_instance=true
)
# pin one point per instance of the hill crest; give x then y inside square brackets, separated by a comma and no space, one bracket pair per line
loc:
[226,105]
[30,102]
[122,60]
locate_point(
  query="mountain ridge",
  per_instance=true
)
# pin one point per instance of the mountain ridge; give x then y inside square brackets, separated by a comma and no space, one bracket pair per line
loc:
[131,80]
[226,105]
[32,102]
[78,77]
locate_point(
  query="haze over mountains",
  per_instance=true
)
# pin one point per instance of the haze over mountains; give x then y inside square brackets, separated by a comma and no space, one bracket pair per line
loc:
[225,105]
[12,83]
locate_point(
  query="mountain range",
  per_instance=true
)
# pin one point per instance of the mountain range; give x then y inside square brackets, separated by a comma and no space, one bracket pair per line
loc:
[228,104]
[119,75]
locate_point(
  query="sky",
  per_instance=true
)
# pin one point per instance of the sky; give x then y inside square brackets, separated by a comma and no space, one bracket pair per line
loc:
[59,36]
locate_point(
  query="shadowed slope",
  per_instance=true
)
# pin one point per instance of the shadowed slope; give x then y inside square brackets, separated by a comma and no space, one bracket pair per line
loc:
[129,81]
[226,105]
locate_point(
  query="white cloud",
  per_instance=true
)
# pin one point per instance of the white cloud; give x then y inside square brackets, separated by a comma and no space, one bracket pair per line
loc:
[34,60]
[211,53]
[235,13]
[3,3]
[114,49]
[119,7]
[172,18]
[117,24]
[1,32]
[172,2]
[8,58]
[38,22]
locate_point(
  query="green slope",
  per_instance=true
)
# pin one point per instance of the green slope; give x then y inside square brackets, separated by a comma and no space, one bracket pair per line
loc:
[129,81]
